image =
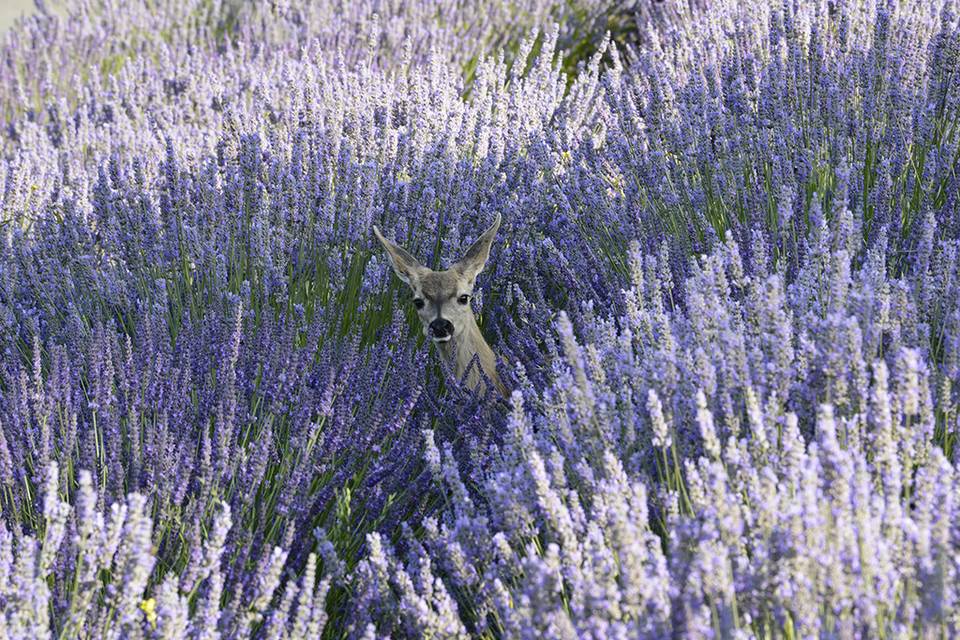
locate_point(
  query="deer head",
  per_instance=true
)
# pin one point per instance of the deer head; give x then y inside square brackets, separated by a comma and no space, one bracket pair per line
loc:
[442,300]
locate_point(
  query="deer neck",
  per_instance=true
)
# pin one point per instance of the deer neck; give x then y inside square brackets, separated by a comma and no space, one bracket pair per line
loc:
[460,351]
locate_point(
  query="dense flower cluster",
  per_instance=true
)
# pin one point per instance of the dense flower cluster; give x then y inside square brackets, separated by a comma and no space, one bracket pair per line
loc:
[726,295]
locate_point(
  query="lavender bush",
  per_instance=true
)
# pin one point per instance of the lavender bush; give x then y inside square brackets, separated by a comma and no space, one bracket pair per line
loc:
[726,295]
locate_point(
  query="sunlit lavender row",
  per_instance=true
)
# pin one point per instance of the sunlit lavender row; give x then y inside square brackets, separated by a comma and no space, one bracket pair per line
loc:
[725,296]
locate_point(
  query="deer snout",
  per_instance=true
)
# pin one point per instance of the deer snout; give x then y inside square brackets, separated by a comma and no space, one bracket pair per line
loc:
[441,329]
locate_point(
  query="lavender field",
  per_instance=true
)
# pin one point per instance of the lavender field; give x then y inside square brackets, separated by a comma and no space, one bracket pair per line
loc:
[725,299]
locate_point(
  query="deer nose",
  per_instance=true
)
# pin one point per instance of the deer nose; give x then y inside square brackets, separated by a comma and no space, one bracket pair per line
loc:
[441,328]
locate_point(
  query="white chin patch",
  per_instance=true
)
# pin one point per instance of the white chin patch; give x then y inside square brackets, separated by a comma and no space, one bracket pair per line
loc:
[445,339]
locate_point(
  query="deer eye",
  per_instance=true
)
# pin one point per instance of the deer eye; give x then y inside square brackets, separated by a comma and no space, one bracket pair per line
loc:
[418,303]
[464,299]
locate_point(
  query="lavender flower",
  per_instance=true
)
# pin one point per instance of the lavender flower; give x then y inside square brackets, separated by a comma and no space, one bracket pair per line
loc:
[727,302]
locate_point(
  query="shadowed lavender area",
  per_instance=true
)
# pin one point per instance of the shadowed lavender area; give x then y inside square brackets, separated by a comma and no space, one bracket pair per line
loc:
[723,297]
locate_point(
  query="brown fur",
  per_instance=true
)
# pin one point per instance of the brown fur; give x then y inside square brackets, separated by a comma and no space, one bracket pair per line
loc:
[440,292]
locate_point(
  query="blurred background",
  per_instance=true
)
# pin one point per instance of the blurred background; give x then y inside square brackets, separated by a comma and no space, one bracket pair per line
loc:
[10,10]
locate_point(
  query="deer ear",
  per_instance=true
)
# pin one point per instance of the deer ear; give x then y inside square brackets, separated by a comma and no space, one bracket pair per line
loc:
[474,260]
[404,265]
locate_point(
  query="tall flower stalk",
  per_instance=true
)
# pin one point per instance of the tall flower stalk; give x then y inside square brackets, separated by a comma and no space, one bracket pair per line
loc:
[727,303]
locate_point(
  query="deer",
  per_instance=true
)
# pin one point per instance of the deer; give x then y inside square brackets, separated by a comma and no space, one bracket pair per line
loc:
[442,300]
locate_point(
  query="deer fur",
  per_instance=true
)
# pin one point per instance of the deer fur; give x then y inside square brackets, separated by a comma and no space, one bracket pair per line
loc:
[442,299]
